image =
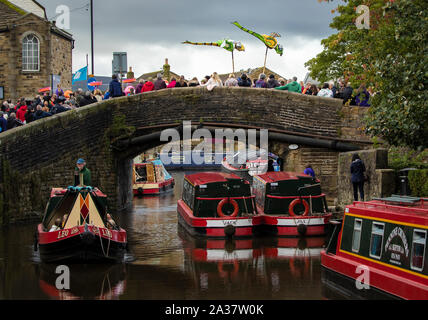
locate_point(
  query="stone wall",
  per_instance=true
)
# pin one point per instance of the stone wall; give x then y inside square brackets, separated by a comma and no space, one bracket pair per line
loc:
[55,58]
[381,179]
[41,155]
[352,122]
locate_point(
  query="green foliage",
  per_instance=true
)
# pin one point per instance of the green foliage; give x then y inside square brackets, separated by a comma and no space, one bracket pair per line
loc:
[418,181]
[400,158]
[391,57]
[119,129]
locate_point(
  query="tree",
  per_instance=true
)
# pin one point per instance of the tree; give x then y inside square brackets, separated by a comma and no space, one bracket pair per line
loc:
[392,57]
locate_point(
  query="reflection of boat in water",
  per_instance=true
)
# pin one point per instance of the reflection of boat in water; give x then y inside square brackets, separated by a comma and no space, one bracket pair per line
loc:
[151,177]
[216,204]
[290,204]
[256,162]
[382,243]
[87,281]
[82,233]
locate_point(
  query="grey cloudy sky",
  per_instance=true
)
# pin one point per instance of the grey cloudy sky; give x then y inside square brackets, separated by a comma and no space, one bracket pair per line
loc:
[152,30]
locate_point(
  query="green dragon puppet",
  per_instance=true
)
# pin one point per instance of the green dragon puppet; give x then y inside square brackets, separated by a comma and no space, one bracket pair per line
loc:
[227,44]
[269,40]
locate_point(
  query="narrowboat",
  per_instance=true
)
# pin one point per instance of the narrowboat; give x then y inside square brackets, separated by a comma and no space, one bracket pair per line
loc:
[151,178]
[216,204]
[77,227]
[289,204]
[256,162]
[378,249]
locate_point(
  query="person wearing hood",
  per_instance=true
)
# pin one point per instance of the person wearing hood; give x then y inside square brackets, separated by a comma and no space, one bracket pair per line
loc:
[272,82]
[148,86]
[139,86]
[357,176]
[159,83]
[244,81]
[20,114]
[261,82]
[293,86]
[172,83]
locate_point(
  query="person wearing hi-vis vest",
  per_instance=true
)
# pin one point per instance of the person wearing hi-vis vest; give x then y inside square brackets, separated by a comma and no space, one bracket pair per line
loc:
[82,175]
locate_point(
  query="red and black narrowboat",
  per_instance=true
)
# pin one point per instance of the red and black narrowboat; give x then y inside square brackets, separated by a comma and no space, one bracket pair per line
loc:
[378,250]
[289,204]
[216,204]
[151,178]
[76,227]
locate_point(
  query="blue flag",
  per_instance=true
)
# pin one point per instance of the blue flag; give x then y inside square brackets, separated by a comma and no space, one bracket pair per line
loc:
[80,75]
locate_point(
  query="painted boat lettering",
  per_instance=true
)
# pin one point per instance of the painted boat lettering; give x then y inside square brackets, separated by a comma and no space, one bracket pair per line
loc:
[62,234]
[397,250]
[74,230]
[232,222]
[106,233]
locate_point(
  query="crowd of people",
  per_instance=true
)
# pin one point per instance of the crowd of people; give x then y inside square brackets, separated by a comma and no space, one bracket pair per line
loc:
[13,114]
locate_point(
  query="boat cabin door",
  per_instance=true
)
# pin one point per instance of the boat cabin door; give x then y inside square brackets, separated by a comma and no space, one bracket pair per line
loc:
[150,172]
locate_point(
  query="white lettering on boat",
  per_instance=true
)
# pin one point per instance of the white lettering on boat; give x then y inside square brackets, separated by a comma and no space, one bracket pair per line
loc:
[397,250]
[62,234]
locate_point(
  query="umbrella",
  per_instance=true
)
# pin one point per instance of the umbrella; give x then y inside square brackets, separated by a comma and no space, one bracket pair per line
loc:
[44,89]
[129,80]
[128,89]
[67,93]
[95,83]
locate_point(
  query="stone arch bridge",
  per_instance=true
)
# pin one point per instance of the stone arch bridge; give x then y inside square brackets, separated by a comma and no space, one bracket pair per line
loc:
[109,134]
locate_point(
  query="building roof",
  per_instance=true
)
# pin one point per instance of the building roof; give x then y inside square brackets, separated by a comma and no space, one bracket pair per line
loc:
[10,12]
[210,177]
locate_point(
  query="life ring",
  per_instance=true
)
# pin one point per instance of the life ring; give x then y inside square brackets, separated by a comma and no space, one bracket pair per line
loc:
[223,273]
[293,268]
[294,203]
[221,205]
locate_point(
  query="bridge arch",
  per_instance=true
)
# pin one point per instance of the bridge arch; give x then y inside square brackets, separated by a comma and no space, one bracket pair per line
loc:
[42,154]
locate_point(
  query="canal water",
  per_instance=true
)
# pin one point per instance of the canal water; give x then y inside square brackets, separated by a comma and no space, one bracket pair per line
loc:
[166,263]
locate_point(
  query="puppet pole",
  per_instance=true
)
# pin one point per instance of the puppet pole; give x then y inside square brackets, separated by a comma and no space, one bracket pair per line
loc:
[264,67]
[233,64]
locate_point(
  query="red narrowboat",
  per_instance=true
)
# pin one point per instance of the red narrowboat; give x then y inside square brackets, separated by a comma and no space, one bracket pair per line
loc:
[151,178]
[378,250]
[216,204]
[289,204]
[77,227]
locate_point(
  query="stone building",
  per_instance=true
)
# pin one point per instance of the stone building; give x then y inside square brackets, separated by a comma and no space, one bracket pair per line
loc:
[34,52]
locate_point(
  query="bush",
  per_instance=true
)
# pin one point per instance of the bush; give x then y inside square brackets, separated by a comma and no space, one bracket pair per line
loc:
[418,181]
[400,158]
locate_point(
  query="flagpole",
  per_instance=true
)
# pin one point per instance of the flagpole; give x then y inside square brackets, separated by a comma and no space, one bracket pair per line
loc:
[86,66]
[92,36]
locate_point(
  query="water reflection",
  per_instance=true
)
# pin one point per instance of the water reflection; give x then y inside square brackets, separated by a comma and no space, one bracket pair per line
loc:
[168,263]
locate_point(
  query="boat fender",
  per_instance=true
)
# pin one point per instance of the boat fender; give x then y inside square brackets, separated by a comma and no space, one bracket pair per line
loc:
[163,188]
[223,273]
[301,229]
[221,205]
[87,237]
[229,230]
[140,190]
[294,203]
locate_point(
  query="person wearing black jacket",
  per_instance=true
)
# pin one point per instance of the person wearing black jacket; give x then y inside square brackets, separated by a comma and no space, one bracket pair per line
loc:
[244,81]
[357,176]
[272,82]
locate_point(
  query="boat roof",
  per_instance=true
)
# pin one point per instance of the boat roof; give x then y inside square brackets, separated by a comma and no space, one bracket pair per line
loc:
[210,177]
[395,210]
[274,176]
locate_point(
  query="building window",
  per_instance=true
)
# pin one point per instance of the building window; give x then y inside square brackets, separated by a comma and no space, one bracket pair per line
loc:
[418,249]
[357,235]
[30,53]
[376,239]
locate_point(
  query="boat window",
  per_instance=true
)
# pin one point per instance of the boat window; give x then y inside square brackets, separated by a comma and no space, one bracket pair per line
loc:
[188,193]
[418,249]
[357,235]
[376,239]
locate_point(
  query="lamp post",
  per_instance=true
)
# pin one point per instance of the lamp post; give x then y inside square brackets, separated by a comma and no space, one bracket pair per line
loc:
[92,36]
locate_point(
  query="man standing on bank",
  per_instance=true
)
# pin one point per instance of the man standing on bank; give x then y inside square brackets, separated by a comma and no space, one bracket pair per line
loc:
[82,175]
[357,176]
